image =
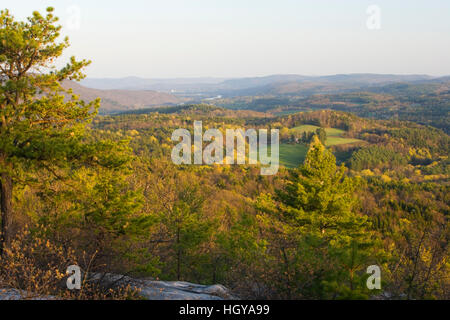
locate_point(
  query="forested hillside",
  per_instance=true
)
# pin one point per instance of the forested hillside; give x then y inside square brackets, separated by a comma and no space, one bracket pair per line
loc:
[114,101]
[397,178]
[424,102]
[256,234]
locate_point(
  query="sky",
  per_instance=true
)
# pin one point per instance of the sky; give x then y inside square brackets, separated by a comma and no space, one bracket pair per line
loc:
[242,38]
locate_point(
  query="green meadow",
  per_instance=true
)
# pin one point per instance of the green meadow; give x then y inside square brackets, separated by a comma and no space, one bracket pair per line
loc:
[292,155]
[334,136]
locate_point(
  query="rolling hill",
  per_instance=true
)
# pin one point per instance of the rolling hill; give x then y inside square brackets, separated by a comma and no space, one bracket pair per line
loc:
[272,84]
[114,101]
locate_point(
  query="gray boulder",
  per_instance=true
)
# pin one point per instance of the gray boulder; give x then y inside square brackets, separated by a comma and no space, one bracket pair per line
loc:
[167,290]
[177,290]
[14,294]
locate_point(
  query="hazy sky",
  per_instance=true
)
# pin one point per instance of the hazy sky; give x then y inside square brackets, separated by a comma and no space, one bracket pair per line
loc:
[235,38]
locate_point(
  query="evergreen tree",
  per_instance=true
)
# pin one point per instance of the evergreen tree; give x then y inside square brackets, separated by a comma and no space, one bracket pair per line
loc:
[324,244]
[42,125]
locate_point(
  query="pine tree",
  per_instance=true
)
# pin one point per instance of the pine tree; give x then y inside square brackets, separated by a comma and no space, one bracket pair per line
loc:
[317,229]
[42,125]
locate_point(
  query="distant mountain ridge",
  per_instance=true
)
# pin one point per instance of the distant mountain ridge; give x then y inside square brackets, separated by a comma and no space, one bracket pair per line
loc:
[135,93]
[224,85]
[326,84]
[136,83]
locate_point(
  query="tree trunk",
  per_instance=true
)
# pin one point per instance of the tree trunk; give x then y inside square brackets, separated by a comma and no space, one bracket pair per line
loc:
[6,211]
